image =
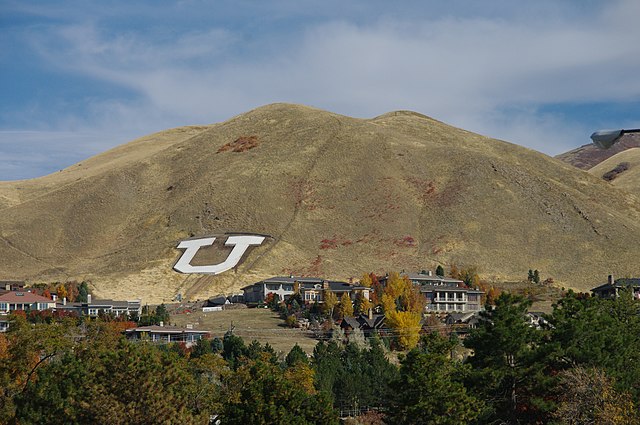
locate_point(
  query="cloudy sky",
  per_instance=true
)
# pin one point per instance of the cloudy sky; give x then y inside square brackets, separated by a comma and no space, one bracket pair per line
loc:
[80,77]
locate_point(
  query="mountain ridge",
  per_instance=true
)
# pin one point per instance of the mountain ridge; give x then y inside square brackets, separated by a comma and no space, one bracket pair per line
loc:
[340,196]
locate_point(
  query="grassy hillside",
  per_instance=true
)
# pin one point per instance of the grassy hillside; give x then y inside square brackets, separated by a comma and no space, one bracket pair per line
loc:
[338,196]
[622,170]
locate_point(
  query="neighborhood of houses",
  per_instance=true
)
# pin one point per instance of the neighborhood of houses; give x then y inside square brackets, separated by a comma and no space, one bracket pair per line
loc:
[450,300]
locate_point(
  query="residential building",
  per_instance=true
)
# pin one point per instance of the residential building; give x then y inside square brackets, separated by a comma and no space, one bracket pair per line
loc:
[444,295]
[311,289]
[166,334]
[613,287]
[24,301]
[98,307]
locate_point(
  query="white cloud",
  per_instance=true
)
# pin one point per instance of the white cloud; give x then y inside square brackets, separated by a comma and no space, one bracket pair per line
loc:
[484,74]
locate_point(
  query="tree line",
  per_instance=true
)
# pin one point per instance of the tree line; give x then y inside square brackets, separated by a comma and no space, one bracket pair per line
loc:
[581,367]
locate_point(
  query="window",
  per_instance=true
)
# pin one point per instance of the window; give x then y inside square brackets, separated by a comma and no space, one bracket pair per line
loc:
[273,286]
[4,307]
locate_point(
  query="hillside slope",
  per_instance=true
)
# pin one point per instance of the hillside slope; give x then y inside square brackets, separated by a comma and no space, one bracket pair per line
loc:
[588,156]
[622,170]
[338,196]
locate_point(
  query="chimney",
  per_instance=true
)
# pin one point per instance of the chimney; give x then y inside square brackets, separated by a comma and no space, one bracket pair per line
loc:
[429,273]
[88,298]
[351,280]
[161,323]
[610,280]
[325,284]
[371,314]
[64,301]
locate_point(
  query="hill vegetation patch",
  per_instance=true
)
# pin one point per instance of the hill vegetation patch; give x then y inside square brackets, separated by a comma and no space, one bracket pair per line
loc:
[619,169]
[241,144]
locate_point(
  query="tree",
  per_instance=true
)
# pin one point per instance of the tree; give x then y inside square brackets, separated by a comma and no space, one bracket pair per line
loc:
[295,356]
[366,280]
[330,301]
[62,291]
[440,271]
[403,305]
[429,391]
[588,396]
[83,292]
[261,393]
[345,309]
[361,304]
[530,276]
[536,276]
[506,370]
[162,315]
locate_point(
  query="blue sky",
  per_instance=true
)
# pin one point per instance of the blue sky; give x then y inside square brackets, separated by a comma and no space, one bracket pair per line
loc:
[79,77]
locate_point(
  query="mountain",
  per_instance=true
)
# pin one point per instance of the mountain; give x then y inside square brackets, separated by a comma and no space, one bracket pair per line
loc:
[336,196]
[588,156]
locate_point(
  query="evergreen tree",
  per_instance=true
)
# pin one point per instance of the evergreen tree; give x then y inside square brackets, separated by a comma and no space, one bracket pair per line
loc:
[429,391]
[83,292]
[506,371]
[295,356]
[440,271]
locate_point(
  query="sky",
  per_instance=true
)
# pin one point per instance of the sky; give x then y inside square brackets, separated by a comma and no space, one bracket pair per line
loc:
[79,77]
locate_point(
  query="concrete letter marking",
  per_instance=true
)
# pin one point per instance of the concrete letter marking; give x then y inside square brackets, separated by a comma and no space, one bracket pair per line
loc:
[240,245]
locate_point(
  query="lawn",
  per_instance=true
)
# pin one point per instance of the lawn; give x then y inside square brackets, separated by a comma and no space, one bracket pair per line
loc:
[260,324]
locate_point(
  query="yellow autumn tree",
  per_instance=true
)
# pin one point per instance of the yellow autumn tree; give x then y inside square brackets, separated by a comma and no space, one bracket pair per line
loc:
[330,301]
[366,281]
[346,306]
[403,305]
[62,291]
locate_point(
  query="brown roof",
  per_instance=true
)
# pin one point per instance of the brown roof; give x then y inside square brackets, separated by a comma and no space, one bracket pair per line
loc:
[22,297]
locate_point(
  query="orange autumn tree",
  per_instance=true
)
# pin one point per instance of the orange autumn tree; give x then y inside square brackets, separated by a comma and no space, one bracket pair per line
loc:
[403,305]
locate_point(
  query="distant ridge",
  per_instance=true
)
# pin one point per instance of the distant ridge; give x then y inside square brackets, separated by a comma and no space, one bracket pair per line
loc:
[339,196]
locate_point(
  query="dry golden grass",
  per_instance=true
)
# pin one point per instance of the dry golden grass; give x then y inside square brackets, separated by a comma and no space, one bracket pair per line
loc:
[260,324]
[339,196]
[628,180]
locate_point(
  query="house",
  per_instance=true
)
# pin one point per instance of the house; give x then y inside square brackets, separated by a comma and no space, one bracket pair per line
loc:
[11,285]
[369,324]
[215,304]
[444,295]
[613,287]
[96,308]
[166,334]
[311,289]
[24,301]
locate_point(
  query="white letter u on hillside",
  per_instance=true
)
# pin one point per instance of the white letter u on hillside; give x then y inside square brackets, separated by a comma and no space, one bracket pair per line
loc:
[240,245]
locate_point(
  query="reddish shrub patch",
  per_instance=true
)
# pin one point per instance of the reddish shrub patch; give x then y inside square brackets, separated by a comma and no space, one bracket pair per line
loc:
[241,144]
[407,241]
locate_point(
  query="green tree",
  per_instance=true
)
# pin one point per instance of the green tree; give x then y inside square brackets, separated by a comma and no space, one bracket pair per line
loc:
[506,369]
[260,393]
[162,315]
[83,292]
[295,356]
[429,390]
[440,271]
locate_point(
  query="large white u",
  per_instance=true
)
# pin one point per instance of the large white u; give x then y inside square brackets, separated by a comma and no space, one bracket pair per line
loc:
[240,245]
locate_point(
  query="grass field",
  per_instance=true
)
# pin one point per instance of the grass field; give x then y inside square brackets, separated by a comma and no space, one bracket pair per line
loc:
[260,324]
